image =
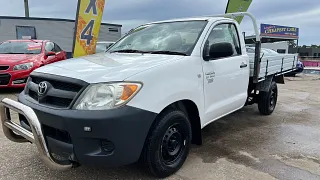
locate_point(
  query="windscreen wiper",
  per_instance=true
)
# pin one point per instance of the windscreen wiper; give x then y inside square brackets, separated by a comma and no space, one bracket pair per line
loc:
[128,51]
[167,52]
[10,53]
[149,52]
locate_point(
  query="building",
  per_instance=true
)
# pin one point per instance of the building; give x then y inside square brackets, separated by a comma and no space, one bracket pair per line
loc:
[276,37]
[281,47]
[307,51]
[310,56]
[60,31]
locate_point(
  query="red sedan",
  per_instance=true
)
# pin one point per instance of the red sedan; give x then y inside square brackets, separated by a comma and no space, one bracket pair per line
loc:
[18,58]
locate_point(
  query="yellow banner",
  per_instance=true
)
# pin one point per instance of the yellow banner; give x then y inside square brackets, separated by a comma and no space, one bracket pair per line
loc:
[88,21]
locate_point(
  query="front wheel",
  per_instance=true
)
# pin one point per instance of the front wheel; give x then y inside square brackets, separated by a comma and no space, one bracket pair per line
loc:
[268,99]
[168,144]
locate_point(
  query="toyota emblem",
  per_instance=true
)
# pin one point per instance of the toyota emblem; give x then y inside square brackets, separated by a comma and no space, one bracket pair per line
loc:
[42,88]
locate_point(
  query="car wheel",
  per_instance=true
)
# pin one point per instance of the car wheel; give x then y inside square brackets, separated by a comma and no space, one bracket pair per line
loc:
[268,99]
[168,143]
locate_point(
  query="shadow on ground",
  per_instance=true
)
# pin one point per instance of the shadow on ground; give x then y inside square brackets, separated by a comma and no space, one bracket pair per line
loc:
[10,91]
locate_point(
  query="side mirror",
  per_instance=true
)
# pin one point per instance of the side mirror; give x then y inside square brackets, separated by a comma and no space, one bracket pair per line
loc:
[219,50]
[50,53]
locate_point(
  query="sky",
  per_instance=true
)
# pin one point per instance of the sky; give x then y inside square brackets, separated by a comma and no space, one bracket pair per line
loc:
[131,13]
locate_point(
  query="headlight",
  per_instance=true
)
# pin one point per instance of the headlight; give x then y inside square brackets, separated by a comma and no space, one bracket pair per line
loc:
[107,96]
[24,66]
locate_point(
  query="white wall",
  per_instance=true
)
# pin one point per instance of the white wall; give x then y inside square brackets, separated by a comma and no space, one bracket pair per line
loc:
[60,32]
[276,45]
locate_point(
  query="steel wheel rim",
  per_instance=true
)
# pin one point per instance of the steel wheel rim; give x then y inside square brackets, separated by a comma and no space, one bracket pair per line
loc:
[173,144]
[273,98]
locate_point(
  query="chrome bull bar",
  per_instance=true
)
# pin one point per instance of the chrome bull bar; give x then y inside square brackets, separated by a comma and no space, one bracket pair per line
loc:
[17,133]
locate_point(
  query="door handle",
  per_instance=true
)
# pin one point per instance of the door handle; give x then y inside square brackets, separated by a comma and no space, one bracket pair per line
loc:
[243,65]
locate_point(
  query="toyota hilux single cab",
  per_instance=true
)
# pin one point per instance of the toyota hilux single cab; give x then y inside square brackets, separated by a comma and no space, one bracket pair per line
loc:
[147,97]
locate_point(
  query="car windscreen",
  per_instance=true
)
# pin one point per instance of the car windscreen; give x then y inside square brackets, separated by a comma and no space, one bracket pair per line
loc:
[268,52]
[102,47]
[271,51]
[179,37]
[19,47]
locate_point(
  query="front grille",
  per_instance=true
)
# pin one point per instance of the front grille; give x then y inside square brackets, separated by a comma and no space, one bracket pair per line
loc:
[60,93]
[4,79]
[33,95]
[59,102]
[3,68]
[59,85]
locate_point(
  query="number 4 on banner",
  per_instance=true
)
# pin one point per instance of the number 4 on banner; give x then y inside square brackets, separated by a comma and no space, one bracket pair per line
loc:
[86,33]
[87,26]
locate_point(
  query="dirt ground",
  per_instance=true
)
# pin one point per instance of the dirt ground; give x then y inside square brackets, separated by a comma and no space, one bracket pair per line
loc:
[243,145]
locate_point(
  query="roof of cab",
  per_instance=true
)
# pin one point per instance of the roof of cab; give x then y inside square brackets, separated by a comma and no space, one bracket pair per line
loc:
[27,40]
[204,18]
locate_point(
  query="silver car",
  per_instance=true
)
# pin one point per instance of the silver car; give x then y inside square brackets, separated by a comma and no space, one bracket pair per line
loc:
[102,46]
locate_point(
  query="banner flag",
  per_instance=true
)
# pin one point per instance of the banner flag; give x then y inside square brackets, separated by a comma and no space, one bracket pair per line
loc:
[87,26]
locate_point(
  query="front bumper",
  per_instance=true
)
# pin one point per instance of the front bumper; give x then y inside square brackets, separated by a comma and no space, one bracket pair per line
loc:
[93,138]
[11,130]
[15,76]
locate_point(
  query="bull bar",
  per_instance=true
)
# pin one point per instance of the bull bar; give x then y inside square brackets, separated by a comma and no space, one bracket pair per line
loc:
[17,133]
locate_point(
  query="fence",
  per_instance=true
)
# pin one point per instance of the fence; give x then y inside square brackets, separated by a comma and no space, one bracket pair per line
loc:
[316,58]
[310,62]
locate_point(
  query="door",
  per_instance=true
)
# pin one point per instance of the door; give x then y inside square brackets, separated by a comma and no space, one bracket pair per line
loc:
[225,79]
[61,55]
[49,47]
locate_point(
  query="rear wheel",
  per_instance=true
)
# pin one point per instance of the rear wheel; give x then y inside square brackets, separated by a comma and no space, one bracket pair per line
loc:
[268,99]
[168,143]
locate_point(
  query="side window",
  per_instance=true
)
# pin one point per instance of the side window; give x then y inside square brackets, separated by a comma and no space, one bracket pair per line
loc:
[224,33]
[26,32]
[281,51]
[57,48]
[235,38]
[49,46]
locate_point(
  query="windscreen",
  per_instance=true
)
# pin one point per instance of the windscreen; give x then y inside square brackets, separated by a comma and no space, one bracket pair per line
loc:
[102,47]
[171,36]
[11,47]
[270,51]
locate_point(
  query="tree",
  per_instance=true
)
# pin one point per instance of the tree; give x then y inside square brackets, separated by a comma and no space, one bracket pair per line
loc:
[292,43]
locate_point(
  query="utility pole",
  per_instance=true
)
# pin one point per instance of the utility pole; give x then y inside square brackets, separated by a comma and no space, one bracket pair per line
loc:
[26,8]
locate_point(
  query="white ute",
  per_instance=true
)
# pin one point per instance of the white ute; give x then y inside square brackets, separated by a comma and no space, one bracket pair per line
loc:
[147,98]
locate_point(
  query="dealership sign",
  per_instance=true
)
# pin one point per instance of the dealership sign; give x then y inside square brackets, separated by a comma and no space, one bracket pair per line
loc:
[88,21]
[279,31]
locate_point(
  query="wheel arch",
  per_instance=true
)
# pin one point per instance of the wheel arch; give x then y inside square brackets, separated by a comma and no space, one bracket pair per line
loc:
[265,85]
[192,111]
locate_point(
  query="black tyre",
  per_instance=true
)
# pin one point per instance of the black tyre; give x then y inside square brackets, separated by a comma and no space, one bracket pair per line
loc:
[268,99]
[168,143]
